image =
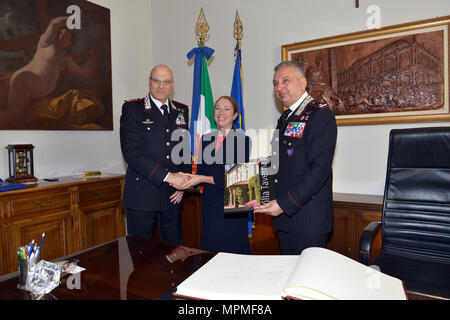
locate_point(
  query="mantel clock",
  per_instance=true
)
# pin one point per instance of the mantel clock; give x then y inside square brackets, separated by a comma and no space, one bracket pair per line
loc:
[20,157]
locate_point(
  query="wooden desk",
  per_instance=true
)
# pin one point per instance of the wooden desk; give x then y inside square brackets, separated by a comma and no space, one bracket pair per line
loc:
[125,268]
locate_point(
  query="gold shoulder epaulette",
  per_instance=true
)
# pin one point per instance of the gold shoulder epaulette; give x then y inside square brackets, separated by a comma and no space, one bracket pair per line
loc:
[319,105]
[134,100]
[177,102]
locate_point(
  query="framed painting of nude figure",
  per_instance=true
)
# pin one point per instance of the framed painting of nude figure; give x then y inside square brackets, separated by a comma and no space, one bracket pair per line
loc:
[397,74]
[55,65]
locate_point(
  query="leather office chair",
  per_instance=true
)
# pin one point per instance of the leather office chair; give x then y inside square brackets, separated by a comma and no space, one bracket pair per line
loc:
[416,212]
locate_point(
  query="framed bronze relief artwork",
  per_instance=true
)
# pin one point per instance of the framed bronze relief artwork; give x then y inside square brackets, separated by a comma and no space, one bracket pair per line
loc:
[396,74]
[55,65]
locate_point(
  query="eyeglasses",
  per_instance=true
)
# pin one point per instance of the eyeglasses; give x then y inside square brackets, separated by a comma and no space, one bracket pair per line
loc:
[164,82]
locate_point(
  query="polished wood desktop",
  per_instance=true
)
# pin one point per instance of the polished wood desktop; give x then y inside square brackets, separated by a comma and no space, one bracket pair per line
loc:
[125,268]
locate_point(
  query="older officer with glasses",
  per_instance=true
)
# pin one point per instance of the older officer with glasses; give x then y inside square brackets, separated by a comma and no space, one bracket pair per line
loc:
[146,126]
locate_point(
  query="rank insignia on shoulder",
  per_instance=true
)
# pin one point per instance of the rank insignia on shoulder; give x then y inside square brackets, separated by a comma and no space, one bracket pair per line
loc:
[289,152]
[319,105]
[180,121]
[295,129]
[147,121]
[179,103]
[134,100]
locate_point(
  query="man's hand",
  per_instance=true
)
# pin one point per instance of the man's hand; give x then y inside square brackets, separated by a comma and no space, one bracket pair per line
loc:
[177,179]
[177,197]
[271,208]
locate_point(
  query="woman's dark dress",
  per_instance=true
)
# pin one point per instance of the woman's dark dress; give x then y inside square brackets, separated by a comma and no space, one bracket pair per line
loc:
[220,232]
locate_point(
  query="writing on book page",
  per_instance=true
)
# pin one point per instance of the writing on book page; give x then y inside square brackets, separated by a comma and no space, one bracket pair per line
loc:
[235,276]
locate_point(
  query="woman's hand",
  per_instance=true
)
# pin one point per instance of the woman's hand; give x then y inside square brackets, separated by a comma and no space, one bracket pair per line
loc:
[194,180]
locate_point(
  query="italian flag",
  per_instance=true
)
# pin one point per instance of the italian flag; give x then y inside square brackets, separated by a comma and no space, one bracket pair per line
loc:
[205,120]
[202,120]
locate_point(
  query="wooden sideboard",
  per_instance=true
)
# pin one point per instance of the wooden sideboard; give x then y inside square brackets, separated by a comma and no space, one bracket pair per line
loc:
[352,213]
[74,212]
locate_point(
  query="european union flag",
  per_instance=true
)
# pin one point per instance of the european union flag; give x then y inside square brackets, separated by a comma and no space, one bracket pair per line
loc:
[236,89]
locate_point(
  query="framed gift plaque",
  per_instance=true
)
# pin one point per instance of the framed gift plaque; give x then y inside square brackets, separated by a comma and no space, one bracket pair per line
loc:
[396,74]
[246,182]
[241,185]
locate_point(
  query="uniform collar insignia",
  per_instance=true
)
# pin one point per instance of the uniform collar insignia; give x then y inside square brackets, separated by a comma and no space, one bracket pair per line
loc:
[148,105]
[302,105]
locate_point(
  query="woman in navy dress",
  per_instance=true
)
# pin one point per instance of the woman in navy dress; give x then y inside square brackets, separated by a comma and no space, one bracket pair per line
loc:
[220,232]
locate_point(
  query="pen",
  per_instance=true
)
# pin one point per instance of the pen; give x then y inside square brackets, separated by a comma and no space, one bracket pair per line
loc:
[40,245]
[30,249]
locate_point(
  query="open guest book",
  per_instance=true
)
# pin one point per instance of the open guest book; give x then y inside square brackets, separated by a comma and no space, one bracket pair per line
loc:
[317,273]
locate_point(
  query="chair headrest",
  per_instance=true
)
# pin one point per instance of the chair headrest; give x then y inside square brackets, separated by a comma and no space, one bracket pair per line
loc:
[420,148]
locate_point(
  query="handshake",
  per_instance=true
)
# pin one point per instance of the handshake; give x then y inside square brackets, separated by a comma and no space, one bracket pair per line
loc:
[181,180]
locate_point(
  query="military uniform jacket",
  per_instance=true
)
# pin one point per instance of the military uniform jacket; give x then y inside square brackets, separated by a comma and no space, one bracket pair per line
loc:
[303,187]
[145,137]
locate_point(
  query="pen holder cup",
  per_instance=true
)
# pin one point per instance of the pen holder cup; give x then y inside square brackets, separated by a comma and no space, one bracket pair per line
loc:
[24,267]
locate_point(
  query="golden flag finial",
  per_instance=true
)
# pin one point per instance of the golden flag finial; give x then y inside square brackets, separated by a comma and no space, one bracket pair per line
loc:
[238,29]
[202,29]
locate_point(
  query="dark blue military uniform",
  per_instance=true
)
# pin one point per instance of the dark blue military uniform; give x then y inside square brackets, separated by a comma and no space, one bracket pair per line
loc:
[145,137]
[303,185]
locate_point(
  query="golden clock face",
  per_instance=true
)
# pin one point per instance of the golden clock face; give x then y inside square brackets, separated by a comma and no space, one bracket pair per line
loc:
[21,162]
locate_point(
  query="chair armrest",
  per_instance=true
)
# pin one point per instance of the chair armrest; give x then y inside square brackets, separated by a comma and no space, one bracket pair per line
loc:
[365,242]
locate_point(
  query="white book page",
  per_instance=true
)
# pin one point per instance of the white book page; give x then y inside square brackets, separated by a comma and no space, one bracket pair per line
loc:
[240,277]
[324,274]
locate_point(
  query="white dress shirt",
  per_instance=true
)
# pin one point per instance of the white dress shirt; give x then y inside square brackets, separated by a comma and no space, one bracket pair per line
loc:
[296,104]
[159,104]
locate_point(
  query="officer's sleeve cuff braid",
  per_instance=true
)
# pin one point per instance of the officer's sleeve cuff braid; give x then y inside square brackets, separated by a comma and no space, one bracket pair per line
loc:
[293,200]
[288,204]
[151,174]
[157,175]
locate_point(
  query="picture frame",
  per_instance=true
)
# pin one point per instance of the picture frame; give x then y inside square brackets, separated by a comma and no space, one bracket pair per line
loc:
[396,74]
[55,65]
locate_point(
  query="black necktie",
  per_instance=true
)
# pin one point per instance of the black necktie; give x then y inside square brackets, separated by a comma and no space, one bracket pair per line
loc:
[285,114]
[165,112]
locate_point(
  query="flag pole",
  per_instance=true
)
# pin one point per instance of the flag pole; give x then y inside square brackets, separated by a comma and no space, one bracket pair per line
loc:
[201,29]
[236,86]
[238,32]
[202,112]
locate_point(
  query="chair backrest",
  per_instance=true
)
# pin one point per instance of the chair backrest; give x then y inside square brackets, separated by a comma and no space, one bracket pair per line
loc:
[416,204]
